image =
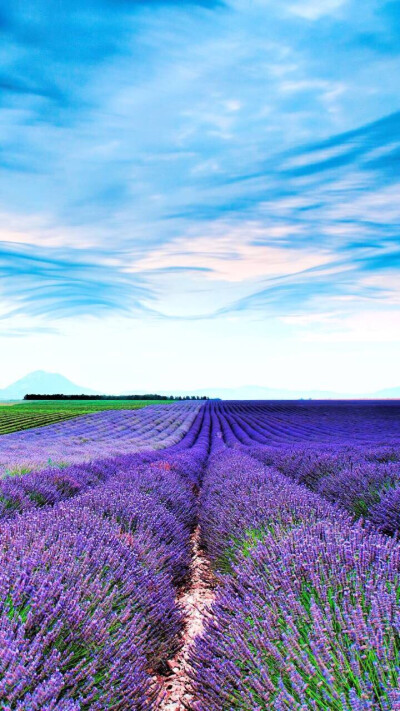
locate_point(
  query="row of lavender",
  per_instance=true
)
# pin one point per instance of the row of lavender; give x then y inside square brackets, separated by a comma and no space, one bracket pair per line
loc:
[88,587]
[328,422]
[307,609]
[350,454]
[94,436]
[54,484]
[364,480]
[88,611]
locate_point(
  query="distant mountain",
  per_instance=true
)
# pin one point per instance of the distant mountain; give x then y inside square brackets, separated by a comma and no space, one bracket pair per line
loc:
[388,393]
[42,383]
[255,392]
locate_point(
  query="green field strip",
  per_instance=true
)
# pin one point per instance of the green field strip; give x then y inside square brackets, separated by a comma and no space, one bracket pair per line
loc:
[39,413]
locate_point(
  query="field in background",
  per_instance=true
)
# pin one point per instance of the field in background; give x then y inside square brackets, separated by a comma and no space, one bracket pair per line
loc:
[224,556]
[23,415]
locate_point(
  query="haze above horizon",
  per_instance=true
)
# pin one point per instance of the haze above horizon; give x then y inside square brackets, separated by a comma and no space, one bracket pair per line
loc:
[42,383]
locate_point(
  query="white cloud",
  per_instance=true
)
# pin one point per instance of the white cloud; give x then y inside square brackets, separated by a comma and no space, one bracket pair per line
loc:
[381,205]
[233,255]
[42,231]
[315,156]
[389,284]
[314,9]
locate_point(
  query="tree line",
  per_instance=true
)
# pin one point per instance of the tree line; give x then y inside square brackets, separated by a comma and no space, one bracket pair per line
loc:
[60,396]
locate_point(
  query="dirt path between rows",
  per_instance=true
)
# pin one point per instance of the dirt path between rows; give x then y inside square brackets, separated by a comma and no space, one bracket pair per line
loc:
[176,693]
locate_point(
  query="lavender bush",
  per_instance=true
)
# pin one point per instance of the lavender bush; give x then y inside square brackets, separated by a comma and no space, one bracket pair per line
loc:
[95,436]
[357,478]
[306,614]
[87,593]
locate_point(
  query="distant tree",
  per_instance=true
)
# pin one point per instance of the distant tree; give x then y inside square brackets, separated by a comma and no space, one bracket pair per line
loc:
[147,396]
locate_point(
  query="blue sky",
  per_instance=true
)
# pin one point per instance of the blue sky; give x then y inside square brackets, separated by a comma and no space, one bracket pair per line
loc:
[201,193]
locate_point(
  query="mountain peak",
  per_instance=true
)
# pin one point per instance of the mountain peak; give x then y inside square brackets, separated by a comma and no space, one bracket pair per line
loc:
[41,382]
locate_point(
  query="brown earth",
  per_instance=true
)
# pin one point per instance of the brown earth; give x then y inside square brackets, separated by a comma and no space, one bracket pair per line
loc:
[195,601]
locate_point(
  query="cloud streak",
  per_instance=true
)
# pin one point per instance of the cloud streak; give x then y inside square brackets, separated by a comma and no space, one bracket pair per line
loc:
[36,283]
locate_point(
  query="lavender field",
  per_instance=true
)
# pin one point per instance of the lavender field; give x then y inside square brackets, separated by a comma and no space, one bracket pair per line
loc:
[210,556]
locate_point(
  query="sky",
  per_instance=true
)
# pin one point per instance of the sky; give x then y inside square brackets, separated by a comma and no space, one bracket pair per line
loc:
[201,193]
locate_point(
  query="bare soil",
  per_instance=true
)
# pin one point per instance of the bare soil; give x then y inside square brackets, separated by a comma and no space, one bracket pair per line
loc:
[195,601]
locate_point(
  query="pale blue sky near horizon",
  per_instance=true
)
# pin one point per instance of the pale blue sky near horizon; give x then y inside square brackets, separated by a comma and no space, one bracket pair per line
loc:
[204,193]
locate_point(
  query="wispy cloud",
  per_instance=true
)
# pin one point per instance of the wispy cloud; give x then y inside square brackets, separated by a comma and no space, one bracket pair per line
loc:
[313,10]
[26,331]
[38,282]
[233,254]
